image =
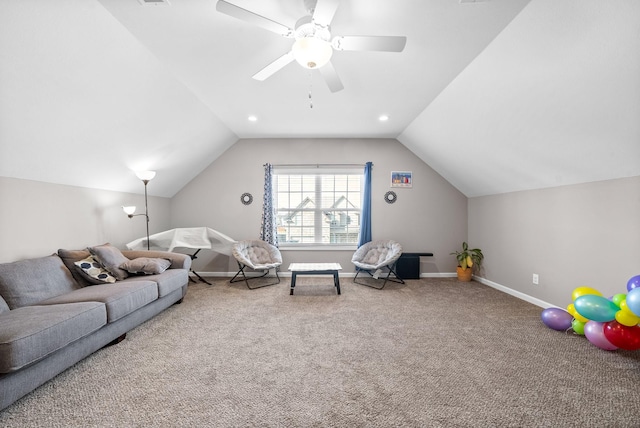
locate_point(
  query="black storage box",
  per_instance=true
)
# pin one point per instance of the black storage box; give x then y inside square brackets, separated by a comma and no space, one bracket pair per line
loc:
[408,266]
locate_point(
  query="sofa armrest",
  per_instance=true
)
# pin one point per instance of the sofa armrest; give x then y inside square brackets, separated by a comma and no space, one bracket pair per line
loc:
[178,260]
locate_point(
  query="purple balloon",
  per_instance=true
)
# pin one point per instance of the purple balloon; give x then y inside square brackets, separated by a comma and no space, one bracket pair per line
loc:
[556,318]
[594,332]
[634,282]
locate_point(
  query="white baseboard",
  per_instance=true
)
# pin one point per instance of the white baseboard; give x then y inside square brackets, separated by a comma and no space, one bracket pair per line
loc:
[213,274]
[520,295]
[282,274]
[439,275]
[286,274]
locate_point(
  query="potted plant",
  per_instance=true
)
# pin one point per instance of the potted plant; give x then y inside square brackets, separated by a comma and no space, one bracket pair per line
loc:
[467,258]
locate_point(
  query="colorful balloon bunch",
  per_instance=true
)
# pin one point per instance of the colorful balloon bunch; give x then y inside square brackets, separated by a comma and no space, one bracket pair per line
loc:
[607,323]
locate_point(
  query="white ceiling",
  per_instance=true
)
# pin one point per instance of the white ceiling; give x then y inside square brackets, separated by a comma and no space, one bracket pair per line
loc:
[497,96]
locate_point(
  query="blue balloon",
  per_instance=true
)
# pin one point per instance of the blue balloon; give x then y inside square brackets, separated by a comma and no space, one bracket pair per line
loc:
[634,282]
[556,319]
[633,301]
[596,308]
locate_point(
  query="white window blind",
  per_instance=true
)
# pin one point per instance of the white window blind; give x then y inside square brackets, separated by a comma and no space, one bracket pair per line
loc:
[318,205]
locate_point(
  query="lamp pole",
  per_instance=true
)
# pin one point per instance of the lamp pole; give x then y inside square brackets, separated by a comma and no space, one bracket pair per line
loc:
[146,210]
[145,176]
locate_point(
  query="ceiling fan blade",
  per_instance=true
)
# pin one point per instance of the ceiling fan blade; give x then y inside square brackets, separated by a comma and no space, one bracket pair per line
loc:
[274,66]
[330,76]
[370,43]
[253,18]
[324,12]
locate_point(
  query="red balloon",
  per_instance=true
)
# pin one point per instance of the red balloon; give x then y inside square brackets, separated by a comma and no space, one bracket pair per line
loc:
[622,336]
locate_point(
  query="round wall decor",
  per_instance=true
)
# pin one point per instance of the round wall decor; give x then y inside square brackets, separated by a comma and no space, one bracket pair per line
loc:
[390,197]
[246,198]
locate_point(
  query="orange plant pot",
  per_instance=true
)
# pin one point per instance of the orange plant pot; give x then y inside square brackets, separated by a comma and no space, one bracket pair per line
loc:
[464,274]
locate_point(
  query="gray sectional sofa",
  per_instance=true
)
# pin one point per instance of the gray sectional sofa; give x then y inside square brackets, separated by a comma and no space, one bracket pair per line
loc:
[59,309]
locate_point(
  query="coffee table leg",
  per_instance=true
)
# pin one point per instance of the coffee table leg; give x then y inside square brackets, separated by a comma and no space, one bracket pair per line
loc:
[336,281]
[293,283]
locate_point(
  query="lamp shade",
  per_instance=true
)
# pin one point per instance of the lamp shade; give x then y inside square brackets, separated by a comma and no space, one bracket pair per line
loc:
[145,175]
[129,210]
[312,52]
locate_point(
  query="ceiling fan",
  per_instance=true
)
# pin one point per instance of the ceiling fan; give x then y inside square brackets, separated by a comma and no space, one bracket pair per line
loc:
[313,44]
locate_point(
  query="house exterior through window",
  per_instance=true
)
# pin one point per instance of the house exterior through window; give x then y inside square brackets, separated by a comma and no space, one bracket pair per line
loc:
[317,206]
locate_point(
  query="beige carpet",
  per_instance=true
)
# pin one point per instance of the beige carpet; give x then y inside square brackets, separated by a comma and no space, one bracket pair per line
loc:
[431,353]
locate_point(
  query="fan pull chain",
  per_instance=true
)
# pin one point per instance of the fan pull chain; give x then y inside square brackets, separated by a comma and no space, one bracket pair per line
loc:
[310,90]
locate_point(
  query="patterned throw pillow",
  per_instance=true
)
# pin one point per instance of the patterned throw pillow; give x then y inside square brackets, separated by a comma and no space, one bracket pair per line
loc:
[94,270]
[70,257]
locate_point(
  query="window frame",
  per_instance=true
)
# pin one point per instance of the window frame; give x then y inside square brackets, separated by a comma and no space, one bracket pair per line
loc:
[319,171]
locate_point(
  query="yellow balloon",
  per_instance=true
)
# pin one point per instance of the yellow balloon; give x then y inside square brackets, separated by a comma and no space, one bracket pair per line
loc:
[625,319]
[572,310]
[581,291]
[625,309]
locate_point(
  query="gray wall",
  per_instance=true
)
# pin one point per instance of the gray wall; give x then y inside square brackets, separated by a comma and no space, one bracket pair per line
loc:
[430,217]
[580,235]
[577,235]
[36,219]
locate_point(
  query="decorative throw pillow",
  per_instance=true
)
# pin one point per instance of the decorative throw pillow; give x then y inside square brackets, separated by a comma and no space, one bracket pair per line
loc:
[70,257]
[94,270]
[146,265]
[111,258]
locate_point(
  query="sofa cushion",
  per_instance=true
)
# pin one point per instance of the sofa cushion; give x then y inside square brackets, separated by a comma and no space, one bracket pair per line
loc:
[94,271]
[27,282]
[121,298]
[111,258]
[146,265]
[169,281]
[30,333]
[3,306]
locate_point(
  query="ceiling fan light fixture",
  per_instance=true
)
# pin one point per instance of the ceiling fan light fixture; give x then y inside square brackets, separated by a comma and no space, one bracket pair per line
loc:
[312,52]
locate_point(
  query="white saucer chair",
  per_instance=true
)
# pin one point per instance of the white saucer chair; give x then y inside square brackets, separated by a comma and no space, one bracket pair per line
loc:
[257,255]
[376,257]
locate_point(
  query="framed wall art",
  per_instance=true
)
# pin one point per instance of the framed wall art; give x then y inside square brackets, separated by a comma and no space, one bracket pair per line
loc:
[401,179]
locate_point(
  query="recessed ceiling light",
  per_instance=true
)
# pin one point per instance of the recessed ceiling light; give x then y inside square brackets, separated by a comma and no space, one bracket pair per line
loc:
[383,118]
[154,2]
[252,118]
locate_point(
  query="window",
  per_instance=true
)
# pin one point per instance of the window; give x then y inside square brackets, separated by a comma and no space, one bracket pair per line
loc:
[317,206]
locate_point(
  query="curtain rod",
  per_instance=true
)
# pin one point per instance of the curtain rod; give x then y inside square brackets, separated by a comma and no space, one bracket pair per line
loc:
[318,165]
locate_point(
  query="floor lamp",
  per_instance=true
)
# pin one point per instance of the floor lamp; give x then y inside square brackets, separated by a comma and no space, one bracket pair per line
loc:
[145,176]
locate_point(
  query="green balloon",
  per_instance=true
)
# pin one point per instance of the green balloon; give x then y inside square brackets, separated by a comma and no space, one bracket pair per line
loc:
[578,327]
[617,298]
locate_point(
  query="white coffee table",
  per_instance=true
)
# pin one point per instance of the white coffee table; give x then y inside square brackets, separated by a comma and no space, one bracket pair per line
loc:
[315,269]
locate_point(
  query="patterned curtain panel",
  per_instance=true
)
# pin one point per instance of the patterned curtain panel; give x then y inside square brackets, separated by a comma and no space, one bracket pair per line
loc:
[365,219]
[268,228]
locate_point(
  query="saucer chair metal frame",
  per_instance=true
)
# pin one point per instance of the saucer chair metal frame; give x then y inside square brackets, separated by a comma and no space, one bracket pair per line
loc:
[378,255]
[242,252]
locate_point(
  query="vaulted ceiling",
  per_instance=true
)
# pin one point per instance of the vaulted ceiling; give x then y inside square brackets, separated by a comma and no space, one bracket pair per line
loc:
[495,95]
